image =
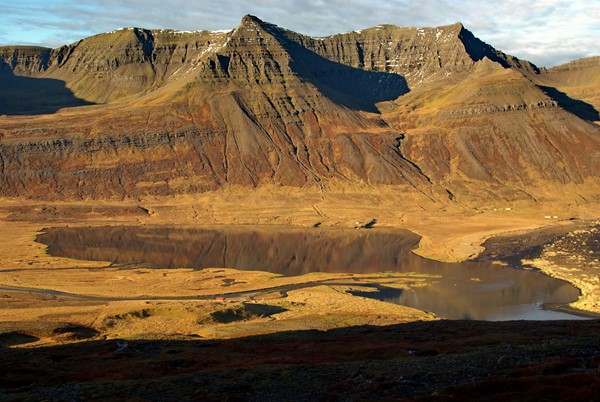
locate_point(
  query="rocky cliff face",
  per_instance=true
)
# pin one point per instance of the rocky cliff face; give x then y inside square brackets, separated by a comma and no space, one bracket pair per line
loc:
[434,111]
[418,54]
[113,65]
[109,66]
[24,60]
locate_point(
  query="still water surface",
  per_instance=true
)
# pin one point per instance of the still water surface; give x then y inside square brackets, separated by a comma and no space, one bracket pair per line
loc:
[469,290]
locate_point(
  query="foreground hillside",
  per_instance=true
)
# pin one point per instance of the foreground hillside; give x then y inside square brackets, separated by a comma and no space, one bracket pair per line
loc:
[434,112]
[427,361]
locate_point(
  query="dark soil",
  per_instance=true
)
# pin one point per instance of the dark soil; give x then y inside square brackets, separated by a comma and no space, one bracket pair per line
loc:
[511,249]
[444,360]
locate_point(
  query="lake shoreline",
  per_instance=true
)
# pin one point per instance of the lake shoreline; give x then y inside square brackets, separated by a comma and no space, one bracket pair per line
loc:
[537,250]
[467,290]
[446,234]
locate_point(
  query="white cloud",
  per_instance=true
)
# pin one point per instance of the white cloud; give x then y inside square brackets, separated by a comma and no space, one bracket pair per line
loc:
[546,32]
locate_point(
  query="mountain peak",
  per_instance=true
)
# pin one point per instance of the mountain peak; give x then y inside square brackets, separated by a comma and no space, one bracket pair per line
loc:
[477,50]
[250,17]
[251,20]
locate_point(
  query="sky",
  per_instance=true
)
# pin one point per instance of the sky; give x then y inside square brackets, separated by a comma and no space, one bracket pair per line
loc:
[546,32]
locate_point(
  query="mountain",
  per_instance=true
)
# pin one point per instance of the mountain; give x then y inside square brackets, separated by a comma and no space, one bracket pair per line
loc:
[577,82]
[432,111]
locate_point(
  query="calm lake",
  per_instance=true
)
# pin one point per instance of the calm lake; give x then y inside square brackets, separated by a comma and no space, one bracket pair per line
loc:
[469,290]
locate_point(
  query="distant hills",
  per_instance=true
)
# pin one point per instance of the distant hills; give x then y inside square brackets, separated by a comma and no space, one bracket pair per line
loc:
[434,111]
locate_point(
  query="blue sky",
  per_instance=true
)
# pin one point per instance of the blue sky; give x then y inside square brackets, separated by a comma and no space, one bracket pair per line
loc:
[547,32]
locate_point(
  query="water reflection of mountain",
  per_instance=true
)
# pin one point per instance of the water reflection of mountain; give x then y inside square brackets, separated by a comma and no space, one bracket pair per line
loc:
[287,252]
[470,290]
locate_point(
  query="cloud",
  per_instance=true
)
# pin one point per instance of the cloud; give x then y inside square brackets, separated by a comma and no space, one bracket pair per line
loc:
[546,32]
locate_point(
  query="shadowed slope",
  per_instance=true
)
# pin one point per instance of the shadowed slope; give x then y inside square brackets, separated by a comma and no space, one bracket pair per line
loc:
[444,360]
[579,108]
[351,87]
[30,96]
[577,84]
[478,50]
[495,126]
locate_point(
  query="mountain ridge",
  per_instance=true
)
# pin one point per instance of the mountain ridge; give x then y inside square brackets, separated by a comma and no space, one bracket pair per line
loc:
[176,113]
[142,42]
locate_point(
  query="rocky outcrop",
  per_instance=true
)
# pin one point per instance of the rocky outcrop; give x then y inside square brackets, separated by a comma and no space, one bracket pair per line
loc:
[24,60]
[484,110]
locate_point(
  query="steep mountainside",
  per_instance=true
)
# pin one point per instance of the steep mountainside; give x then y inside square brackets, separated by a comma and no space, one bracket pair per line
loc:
[418,54]
[492,128]
[113,65]
[434,111]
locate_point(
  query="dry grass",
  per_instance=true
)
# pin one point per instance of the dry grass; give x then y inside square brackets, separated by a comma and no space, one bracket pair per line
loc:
[139,301]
